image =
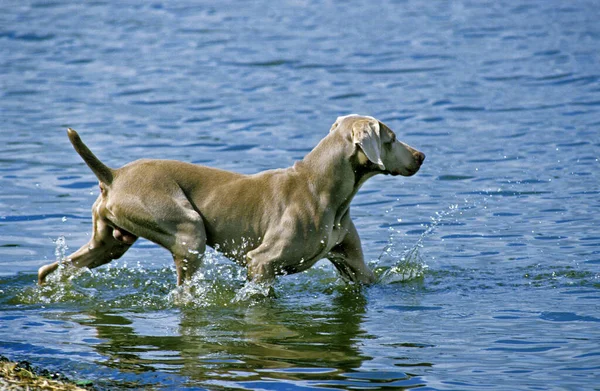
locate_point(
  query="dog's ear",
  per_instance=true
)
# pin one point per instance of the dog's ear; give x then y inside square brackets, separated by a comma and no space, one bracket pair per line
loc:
[366,134]
[335,125]
[339,121]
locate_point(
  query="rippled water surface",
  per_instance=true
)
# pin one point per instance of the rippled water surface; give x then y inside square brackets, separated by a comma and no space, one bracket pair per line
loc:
[489,258]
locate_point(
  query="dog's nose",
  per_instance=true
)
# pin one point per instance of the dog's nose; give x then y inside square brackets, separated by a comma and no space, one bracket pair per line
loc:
[420,156]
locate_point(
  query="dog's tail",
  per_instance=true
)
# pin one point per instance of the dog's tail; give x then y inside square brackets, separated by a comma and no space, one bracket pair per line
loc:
[104,173]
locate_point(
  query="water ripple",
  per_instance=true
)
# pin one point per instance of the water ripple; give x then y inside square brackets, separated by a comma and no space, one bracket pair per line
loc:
[499,226]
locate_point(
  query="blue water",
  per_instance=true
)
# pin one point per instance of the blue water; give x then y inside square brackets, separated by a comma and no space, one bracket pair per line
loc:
[489,257]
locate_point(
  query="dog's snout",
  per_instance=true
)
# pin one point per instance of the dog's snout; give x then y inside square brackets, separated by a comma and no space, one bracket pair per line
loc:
[420,157]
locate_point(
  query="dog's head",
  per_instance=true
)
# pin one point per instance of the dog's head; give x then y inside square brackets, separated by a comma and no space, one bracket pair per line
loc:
[376,143]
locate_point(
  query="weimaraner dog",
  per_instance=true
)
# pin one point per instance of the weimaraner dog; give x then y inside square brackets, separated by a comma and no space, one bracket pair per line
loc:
[275,222]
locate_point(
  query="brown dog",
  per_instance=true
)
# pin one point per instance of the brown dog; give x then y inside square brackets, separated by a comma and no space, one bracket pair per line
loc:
[275,222]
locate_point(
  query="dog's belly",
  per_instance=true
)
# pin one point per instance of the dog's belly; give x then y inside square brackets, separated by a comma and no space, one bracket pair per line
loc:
[304,251]
[235,248]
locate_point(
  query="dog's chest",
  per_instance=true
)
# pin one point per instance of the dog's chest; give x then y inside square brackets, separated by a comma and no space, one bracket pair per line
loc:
[320,246]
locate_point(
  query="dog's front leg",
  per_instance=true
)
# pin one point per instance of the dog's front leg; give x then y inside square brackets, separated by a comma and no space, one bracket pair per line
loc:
[348,259]
[261,262]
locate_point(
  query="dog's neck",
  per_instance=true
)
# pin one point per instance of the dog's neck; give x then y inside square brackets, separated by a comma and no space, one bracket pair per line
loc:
[329,165]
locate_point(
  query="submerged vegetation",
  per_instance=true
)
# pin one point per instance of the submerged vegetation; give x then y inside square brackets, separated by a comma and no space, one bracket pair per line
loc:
[23,376]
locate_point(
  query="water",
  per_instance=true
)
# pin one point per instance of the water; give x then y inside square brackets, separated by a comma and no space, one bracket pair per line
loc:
[488,258]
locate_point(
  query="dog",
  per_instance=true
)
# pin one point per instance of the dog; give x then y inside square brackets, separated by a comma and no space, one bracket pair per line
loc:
[274,222]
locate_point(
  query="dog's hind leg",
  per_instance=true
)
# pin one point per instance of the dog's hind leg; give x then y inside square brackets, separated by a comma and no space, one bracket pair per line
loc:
[186,240]
[168,219]
[107,243]
[188,249]
[182,232]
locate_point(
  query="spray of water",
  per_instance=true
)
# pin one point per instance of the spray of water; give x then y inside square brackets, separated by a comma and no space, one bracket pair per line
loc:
[409,263]
[60,254]
[253,291]
[61,248]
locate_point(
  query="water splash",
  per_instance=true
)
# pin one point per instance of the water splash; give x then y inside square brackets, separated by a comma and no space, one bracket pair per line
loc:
[58,287]
[252,291]
[61,248]
[214,284]
[61,275]
[409,264]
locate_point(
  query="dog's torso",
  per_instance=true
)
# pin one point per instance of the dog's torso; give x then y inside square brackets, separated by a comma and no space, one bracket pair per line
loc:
[282,202]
